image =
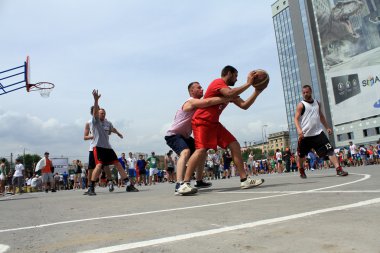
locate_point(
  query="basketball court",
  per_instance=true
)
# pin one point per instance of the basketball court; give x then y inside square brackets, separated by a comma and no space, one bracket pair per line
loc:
[323,213]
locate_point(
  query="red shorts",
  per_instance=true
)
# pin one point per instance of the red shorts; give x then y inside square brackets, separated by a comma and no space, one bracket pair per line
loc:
[211,135]
[104,156]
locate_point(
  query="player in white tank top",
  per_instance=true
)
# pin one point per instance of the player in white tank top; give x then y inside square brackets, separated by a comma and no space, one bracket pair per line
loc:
[308,120]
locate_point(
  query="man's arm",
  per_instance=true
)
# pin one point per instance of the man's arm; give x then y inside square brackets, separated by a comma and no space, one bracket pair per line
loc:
[247,103]
[114,130]
[234,92]
[95,112]
[87,135]
[297,116]
[324,121]
[196,103]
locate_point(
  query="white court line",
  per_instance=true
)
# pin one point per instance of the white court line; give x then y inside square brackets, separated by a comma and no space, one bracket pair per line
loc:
[3,248]
[298,192]
[366,176]
[141,244]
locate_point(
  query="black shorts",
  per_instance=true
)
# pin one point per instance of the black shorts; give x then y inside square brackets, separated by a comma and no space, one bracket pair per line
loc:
[320,143]
[170,169]
[105,156]
[91,160]
[178,143]
[142,171]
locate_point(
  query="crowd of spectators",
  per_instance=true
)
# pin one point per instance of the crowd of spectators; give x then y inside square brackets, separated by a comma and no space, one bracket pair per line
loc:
[218,165]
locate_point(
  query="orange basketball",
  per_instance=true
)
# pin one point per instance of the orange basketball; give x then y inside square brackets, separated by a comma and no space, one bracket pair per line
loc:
[261,81]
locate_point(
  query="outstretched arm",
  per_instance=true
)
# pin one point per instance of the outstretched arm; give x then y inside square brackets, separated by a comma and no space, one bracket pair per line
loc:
[203,103]
[234,92]
[114,130]
[247,103]
[96,96]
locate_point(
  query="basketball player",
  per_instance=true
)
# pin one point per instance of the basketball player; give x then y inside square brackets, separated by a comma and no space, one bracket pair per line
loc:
[103,152]
[108,127]
[308,119]
[179,139]
[210,133]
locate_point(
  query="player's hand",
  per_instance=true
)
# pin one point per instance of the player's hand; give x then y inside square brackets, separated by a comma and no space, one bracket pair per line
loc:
[329,131]
[120,135]
[251,77]
[300,136]
[96,94]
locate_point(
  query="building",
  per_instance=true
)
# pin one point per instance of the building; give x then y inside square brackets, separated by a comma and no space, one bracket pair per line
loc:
[279,140]
[335,55]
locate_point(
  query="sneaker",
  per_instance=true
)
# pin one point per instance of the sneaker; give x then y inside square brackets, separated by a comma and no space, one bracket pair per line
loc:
[133,188]
[91,192]
[250,182]
[302,173]
[53,190]
[202,184]
[177,185]
[86,192]
[340,172]
[128,188]
[46,190]
[186,189]
[110,186]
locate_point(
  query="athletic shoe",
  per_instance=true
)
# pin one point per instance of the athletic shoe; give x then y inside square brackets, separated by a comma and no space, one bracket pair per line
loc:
[110,186]
[133,188]
[186,189]
[302,173]
[202,184]
[177,185]
[91,192]
[250,182]
[86,192]
[341,172]
[46,190]
[53,190]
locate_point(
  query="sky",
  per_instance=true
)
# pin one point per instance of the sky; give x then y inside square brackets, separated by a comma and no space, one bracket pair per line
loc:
[140,55]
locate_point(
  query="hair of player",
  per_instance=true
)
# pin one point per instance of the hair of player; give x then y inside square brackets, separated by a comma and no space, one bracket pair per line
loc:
[228,69]
[191,85]
[307,86]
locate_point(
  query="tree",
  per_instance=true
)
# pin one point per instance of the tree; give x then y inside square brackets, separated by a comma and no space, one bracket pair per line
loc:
[29,162]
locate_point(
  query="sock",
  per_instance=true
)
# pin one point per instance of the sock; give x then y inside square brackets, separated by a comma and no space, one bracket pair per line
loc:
[243,180]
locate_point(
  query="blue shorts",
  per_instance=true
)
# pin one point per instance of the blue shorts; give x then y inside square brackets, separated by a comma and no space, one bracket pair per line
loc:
[178,143]
[132,173]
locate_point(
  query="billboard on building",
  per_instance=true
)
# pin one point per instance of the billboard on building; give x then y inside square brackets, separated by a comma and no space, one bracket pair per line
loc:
[349,34]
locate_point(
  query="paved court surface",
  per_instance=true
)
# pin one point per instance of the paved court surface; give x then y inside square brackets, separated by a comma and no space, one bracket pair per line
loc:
[323,213]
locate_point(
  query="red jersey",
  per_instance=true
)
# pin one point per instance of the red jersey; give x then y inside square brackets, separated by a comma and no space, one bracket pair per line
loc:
[211,114]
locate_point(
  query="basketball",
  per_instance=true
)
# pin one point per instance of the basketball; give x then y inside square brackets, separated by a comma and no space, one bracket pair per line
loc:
[261,81]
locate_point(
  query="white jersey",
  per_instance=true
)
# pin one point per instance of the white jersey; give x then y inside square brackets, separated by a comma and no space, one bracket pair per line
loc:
[131,163]
[353,149]
[310,120]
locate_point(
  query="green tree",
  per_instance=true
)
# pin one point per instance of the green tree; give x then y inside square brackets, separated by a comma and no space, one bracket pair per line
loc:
[29,162]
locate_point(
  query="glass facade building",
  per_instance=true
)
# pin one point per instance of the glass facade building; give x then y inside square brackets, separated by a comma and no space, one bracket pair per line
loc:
[332,46]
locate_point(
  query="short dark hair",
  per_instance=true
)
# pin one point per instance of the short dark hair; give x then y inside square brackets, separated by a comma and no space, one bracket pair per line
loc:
[307,86]
[3,160]
[191,85]
[227,69]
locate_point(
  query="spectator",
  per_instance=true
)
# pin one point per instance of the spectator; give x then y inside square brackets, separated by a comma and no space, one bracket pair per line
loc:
[2,176]
[18,177]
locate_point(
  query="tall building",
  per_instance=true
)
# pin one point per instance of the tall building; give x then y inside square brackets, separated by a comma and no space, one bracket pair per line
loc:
[332,46]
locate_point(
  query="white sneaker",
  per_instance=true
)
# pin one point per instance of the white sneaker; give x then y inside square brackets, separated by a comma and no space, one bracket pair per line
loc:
[250,182]
[186,189]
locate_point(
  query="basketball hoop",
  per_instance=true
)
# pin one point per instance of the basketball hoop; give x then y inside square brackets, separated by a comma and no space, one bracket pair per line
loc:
[44,88]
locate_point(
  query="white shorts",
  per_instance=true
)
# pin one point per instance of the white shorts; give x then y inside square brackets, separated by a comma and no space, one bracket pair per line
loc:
[2,177]
[152,171]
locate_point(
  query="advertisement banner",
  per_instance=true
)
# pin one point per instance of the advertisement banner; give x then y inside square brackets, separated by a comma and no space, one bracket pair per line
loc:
[349,34]
[60,165]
